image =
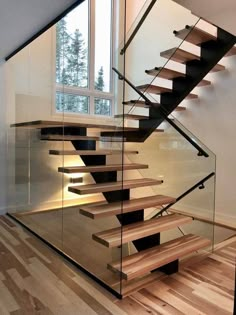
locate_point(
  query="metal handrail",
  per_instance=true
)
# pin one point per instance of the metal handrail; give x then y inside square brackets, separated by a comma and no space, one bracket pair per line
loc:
[201,152]
[199,185]
[140,23]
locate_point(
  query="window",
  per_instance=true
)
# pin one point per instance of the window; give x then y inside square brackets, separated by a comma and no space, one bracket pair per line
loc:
[83,59]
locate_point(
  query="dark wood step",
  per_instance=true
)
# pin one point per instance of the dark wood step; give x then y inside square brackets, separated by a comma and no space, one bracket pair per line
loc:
[134,231]
[131,116]
[113,186]
[170,74]
[147,260]
[95,211]
[183,56]
[68,137]
[136,103]
[154,89]
[195,36]
[91,152]
[101,168]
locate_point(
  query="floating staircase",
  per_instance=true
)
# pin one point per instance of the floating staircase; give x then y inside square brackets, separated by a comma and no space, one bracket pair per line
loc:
[144,234]
[197,66]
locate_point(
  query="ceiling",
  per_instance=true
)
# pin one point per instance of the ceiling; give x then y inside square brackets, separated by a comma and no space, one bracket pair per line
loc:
[20,20]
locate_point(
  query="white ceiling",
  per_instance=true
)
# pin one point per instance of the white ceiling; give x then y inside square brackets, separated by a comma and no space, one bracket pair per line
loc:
[219,12]
[22,19]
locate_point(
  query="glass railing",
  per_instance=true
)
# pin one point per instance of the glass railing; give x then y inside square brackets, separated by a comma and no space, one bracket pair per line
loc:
[50,190]
[52,141]
[186,176]
[173,154]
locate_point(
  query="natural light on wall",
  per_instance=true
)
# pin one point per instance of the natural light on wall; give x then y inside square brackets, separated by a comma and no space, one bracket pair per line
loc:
[83,59]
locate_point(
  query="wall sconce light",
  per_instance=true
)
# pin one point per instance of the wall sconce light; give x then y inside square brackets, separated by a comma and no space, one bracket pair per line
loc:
[75,180]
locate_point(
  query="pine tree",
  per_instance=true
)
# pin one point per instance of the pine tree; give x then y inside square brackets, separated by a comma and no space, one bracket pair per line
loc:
[99,83]
[77,61]
[62,44]
[102,106]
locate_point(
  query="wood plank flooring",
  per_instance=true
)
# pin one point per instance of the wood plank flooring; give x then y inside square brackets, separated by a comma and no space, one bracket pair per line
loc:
[35,280]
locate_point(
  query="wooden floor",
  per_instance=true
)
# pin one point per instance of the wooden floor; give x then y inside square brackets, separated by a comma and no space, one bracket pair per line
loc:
[35,280]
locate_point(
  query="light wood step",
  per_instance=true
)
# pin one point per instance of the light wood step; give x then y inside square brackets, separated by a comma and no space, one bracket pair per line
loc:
[40,124]
[165,73]
[195,36]
[183,56]
[101,168]
[177,109]
[231,52]
[170,74]
[68,137]
[179,55]
[180,109]
[154,89]
[113,186]
[95,211]
[147,260]
[134,231]
[91,152]
[131,116]
[198,36]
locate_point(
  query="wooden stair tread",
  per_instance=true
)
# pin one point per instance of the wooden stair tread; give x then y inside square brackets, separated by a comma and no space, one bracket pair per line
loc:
[204,83]
[170,74]
[165,73]
[101,168]
[134,231]
[231,52]
[154,89]
[144,105]
[90,152]
[40,124]
[180,109]
[136,103]
[179,55]
[217,68]
[195,36]
[147,260]
[68,137]
[183,56]
[131,116]
[114,208]
[113,186]
[47,124]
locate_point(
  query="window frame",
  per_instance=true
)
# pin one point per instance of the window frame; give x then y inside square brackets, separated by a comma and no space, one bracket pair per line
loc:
[89,91]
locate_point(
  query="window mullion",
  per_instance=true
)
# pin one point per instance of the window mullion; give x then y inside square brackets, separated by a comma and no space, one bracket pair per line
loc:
[92,54]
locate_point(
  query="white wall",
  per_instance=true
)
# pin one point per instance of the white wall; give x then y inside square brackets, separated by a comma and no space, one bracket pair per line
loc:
[212,117]
[3,151]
